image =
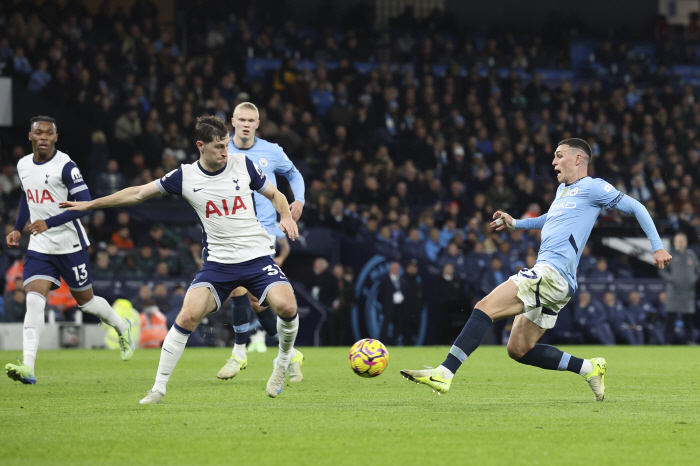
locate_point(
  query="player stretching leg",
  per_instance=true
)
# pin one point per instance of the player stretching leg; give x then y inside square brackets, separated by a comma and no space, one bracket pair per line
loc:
[535,296]
[272,161]
[58,245]
[219,187]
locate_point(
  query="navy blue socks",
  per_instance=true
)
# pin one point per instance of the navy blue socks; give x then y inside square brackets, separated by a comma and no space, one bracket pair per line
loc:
[469,340]
[551,358]
[268,320]
[241,318]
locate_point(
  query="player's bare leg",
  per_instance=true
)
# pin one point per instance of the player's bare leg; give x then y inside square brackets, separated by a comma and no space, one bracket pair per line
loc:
[198,303]
[36,291]
[501,303]
[96,305]
[282,301]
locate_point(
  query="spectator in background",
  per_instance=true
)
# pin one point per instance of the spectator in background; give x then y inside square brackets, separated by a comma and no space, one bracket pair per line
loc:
[39,78]
[15,305]
[450,303]
[586,264]
[145,260]
[601,271]
[324,288]
[161,298]
[128,127]
[129,268]
[590,315]
[432,245]
[681,276]
[14,273]
[98,230]
[623,324]
[648,316]
[111,181]
[144,298]
[410,318]
[102,267]
[391,297]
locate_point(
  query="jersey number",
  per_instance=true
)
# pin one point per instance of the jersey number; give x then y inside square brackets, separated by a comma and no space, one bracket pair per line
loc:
[80,272]
[270,269]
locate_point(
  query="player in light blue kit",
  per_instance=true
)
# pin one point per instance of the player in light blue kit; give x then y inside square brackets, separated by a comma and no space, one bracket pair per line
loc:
[535,296]
[272,161]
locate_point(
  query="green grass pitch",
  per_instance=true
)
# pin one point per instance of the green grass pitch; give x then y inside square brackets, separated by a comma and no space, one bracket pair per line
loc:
[84,411]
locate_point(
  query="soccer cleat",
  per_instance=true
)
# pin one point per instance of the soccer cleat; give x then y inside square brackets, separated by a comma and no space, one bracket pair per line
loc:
[232,367]
[20,372]
[276,382]
[126,344]
[429,377]
[151,398]
[295,374]
[596,378]
[257,342]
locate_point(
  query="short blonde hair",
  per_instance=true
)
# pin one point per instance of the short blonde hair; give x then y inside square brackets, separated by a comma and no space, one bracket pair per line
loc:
[247,106]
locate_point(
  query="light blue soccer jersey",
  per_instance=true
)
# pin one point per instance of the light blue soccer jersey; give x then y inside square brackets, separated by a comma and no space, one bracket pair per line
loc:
[272,161]
[570,219]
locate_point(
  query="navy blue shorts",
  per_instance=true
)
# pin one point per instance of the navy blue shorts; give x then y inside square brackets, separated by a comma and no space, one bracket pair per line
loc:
[73,267]
[256,275]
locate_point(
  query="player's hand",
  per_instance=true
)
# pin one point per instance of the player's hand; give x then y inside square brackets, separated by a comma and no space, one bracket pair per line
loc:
[77,206]
[289,227]
[38,226]
[278,260]
[662,258]
[13,239]
[297,208]
[501,220]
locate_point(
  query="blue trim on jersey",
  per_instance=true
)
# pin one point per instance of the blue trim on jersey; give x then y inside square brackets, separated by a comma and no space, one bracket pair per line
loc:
[76,225]
[208,173]
[55,151]
[171,183]
[205,244]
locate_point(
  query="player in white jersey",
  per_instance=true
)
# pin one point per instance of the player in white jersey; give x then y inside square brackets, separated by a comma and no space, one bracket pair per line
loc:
[272,160]
[219,187]
[535,296]
[58,245]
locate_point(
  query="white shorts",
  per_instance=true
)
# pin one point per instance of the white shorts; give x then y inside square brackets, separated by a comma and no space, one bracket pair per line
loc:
[544,292]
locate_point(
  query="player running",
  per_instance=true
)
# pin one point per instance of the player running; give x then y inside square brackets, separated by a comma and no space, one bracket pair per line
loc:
[219,187]
[58,245]
[272,160]
[535,296]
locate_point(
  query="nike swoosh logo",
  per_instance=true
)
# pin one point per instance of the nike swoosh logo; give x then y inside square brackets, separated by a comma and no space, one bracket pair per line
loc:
[195,190]
[436,380]
[81,283]
[167,352]
[280,390]
[24,177]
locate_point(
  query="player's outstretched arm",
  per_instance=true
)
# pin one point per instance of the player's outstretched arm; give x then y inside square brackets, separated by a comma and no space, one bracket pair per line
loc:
[287,223]
[128,196]
[632,206]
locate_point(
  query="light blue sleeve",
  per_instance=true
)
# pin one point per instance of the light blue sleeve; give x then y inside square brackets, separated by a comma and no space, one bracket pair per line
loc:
[536,223]
[603,194]
[286,168]
[632,206]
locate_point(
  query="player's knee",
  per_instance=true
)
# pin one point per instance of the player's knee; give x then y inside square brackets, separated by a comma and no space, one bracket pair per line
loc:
[187,320]
[516,351]
[287,309]
[240,291]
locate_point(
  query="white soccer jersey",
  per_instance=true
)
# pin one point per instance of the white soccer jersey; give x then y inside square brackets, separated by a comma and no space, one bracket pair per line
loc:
[45,185]
[223,200]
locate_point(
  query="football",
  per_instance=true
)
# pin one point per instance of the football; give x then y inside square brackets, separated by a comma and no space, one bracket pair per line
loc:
[368,358]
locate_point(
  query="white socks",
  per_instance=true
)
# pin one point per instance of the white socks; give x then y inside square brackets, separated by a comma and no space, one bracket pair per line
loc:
[287,330]
[101,308]
[173,347]
[586,367]
[239,351]
[33,326]
[444,372]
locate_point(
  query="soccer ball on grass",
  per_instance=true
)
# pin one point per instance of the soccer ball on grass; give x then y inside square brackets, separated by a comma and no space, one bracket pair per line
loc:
[368,358]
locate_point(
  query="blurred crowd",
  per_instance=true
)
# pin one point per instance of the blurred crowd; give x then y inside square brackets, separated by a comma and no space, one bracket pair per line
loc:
[408,138]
